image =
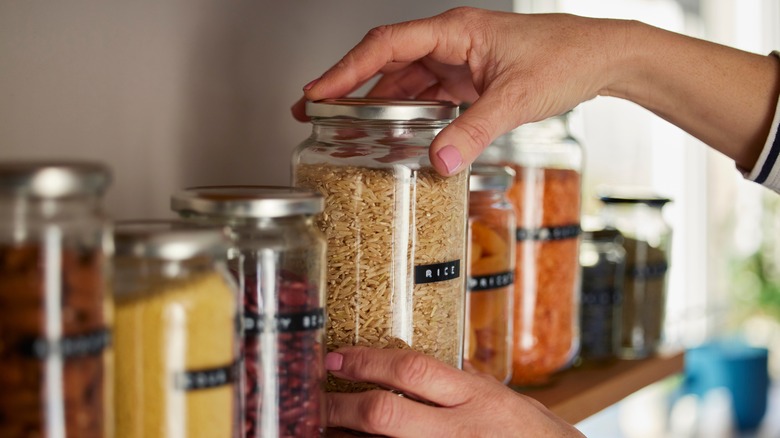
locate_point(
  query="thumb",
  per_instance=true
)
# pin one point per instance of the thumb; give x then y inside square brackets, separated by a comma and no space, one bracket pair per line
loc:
[459,144]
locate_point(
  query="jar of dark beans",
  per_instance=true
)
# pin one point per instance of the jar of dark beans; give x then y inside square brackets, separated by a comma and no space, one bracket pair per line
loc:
[602,260]
[55,317]
[278,259]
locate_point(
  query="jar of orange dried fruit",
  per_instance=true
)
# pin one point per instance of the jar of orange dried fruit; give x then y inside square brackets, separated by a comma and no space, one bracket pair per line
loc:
[488,343]
[545,195]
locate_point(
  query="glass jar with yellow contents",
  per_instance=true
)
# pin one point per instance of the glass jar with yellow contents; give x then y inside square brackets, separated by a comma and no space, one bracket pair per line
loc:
[488,341]
[176,332]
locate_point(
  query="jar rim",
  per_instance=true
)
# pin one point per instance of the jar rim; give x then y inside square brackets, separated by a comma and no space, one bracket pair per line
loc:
[171,240]
[382,109]
[486,177]
[248,201]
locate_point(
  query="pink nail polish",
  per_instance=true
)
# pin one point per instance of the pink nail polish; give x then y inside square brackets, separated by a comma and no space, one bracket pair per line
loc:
[308,86]
[333,361]
[450,156]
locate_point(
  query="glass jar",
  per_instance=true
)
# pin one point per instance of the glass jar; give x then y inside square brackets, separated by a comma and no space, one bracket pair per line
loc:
[396,230]
[488,340]
[602,259]
[278,260]
[647,242]
[546,196]
[55,309]
[176,332]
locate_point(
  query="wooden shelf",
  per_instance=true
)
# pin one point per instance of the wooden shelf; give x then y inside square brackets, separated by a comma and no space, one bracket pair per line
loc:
[578,393]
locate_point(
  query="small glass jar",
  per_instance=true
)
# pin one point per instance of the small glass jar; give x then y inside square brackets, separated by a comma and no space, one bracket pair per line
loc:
[547,162]
[55,308]
[278,259]
[488,340]
[176,332]
[396,229]
[647,243]
[603,260]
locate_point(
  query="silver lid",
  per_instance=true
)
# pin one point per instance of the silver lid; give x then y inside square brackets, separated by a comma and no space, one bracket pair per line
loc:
[382,109]
[169,240]
[248,201]
[486,177]
[53,179]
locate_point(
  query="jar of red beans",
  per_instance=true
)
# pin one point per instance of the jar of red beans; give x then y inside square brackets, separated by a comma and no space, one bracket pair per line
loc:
[278,259]
[55,308]
[545,194]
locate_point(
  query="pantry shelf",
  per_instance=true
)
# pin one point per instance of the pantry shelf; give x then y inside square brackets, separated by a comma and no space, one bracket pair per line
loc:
[578,393]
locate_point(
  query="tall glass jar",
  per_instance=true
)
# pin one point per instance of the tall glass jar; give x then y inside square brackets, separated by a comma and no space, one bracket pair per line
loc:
[278,259]
[396,230]
[55,309]
[176,332]
[488,340]
[647,242]
[546,196]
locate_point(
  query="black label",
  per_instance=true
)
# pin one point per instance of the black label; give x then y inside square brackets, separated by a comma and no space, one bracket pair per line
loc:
[206,378]
[436,272]
[492,281]
[314,319]
[655,270]
[548,233]
[88,344]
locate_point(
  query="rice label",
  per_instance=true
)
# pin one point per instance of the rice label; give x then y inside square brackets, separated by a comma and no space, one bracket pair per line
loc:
[492,281]
[206,378]
[548,233]
[88,344]
[314,319]
[436,272]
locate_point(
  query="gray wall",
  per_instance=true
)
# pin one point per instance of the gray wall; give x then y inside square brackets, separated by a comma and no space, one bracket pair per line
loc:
[173,93]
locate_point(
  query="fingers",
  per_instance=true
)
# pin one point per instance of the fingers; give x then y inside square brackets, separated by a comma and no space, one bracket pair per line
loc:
[405,83]
[410,372]
[382,412]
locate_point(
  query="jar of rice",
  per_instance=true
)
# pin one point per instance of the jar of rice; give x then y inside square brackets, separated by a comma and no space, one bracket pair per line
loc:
[176,332]
[545,194]
[277,257]
[395,228]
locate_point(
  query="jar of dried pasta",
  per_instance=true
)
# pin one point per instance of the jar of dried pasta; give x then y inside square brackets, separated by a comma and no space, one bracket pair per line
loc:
[545,194]
[176,332]
[396,229]
[55,308]
[488,340]
[647,239]
[277,257]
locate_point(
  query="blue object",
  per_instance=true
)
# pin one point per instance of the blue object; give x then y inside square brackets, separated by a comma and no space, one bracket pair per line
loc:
[736,366]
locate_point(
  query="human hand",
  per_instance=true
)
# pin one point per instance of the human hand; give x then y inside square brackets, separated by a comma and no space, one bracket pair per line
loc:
[515,69]
[458,403]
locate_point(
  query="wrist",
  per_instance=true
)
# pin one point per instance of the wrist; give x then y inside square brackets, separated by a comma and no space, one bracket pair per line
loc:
[627,68]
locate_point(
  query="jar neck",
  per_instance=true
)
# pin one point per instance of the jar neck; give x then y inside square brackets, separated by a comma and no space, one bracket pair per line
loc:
[343,130]
[487,198]
[253,223]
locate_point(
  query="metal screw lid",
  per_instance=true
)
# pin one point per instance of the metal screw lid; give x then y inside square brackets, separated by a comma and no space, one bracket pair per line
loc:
[248,201]
[53,179]
[486,177]
[625,197]
[169,240]
[382,109]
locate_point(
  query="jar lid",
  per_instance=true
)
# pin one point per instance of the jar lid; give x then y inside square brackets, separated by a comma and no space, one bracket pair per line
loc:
[486,177]
[53,179]
[170,240]
[248,201]
[382,109]
[649,200]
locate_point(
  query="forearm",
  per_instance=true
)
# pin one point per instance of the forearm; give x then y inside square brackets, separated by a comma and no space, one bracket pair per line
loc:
[723,96]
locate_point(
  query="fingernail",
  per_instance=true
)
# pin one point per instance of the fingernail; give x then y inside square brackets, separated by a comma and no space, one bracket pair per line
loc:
[333,361]
[308,86]
[450,156]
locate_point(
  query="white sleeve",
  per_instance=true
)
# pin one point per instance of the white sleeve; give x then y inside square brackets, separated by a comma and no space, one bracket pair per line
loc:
[767,168]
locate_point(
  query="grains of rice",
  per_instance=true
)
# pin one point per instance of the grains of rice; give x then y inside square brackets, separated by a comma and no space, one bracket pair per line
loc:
[380,224]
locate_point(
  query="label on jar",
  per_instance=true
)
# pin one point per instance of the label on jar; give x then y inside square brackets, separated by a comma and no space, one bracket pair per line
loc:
[654,270]
[436,272]
[548,233]
[88,344]
[492,281]
[314,319]
[206,378]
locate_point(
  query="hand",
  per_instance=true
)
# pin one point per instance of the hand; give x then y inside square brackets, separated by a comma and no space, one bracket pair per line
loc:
[514,68]
[457,403]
